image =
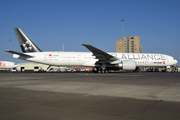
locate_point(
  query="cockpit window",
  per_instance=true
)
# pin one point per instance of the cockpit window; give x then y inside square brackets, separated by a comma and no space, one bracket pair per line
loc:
[174,58]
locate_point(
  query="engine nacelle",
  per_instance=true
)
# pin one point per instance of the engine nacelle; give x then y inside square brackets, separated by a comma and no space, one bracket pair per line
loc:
[128,65]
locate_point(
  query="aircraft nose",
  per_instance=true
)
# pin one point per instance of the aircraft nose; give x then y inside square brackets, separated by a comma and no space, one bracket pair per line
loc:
[176,61]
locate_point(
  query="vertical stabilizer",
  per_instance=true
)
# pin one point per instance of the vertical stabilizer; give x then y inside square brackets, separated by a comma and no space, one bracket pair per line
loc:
[25,42]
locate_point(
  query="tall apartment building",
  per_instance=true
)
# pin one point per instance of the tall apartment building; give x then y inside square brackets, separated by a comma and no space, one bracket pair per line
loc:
[130,45]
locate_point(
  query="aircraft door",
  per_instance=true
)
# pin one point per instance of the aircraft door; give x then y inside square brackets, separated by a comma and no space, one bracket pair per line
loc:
[22,69]
[78,57]
[45,57]
[147,63]
[167,59]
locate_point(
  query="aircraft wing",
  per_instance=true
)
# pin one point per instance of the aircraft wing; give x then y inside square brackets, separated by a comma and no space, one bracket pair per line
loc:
[101,55]
[20,54]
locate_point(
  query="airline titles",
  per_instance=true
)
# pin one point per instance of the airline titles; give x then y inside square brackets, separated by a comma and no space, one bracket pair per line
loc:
[141,57]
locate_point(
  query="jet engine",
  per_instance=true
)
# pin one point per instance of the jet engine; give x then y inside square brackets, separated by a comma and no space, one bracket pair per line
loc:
[128,65]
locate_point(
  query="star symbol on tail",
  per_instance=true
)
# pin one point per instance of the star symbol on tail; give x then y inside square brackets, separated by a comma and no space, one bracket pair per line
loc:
[27,46]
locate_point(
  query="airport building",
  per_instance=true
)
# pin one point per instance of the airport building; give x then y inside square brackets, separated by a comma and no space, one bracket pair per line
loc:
[129,44]
[31,66]
[37,67]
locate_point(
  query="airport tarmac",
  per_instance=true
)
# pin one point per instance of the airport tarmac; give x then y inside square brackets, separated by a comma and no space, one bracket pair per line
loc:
[80,96]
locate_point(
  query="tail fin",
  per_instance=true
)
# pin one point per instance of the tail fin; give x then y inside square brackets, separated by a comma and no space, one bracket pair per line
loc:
[25,42]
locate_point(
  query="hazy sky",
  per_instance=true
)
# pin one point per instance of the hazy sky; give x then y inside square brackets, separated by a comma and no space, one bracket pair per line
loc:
[95,22]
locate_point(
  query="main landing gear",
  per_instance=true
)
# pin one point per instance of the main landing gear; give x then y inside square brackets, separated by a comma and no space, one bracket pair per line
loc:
[101,69]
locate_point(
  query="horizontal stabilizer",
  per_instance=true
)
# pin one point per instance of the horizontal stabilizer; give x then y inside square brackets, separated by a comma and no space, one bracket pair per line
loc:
[20,54]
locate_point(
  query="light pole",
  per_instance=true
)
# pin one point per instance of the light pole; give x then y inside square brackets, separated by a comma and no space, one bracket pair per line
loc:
[50,41]
[122,34]
[9,49]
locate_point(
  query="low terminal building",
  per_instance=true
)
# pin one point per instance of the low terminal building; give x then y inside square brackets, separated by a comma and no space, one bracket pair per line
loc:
[31,66]
[36,67]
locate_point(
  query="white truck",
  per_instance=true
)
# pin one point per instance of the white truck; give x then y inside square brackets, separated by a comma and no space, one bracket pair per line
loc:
[177,69]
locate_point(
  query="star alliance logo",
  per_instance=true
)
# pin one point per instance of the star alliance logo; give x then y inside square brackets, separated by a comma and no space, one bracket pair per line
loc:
[27,46]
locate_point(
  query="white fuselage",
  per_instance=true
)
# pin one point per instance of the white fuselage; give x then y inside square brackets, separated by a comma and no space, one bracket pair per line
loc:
[87,59]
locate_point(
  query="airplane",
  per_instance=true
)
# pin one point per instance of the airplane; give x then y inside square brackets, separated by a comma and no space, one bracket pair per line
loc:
[7,65]
[100,60]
